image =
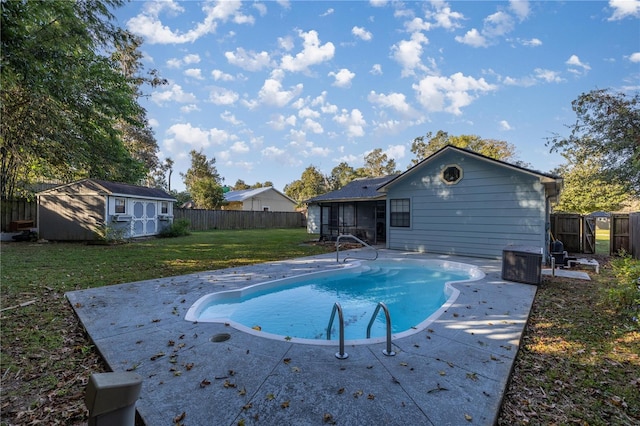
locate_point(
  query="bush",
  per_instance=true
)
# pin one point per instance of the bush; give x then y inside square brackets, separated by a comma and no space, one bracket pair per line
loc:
[179,228]
[624,294]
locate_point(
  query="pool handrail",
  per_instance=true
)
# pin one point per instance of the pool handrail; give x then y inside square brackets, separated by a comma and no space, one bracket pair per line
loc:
[387,316]
[336,307]
[353,257]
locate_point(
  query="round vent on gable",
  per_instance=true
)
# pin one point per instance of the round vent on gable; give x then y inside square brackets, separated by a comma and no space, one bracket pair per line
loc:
[451,174]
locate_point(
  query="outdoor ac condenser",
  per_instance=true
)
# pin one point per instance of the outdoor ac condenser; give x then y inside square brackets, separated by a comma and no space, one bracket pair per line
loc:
[522,264]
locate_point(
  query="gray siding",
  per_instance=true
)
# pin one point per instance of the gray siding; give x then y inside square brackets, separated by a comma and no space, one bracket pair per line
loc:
[490,208]
[70,217]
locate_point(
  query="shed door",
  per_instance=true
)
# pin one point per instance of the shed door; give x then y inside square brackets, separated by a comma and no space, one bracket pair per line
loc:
[145,218]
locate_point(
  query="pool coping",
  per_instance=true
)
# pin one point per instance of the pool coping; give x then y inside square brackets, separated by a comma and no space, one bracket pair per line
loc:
[452,373]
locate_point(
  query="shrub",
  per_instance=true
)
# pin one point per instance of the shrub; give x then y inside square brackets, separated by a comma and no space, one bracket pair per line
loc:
[179,228]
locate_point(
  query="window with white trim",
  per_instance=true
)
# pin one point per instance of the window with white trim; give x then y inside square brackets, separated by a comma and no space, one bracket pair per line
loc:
[399,214]
[120,205]
[164,207]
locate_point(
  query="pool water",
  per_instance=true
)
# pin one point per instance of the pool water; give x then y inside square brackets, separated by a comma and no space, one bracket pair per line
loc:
[300,307]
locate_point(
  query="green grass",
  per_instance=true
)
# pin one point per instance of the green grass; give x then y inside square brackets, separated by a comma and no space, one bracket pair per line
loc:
[45,356]
[602,241]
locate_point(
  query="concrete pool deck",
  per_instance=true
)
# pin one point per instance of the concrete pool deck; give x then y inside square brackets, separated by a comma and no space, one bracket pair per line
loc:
[455,372]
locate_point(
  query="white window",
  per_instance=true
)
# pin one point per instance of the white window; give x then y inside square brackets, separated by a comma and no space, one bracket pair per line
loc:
[164,207]
[120,206]
[400,214]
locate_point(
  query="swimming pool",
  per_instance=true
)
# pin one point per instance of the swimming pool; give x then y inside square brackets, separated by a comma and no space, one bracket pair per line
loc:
[298,308]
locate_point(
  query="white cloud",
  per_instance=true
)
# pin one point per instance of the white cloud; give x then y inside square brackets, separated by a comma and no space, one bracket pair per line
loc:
[261,8]
[312,53]
[186,60]
[286,43]
[575,62]
[306,112]
[271,93]
[498,24]
[450,94]
[230,118]
[376,69]
[520,8]
[185,109]
[149,25]
[219,75]
[185,133]
[353,122]
[361,33]
[312,126]
[534,42]
[173,93]
[222,96]
[280,122]
[250,61]
[444,17]
[239,147]
[327,13]
[194,73]
[624,8]
[396,101]
[504,125]
[342,78]
[472,38]
[548,76]
[408,53]
[635,57]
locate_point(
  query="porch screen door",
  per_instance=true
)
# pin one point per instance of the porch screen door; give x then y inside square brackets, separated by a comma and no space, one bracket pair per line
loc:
[144,221]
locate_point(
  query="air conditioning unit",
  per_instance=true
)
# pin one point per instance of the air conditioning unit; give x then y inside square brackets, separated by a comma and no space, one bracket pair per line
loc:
[164,217]
[121,218]
[522,264]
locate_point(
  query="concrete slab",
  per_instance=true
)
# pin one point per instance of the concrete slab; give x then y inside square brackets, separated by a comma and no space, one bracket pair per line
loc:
[452,373]
[564,273]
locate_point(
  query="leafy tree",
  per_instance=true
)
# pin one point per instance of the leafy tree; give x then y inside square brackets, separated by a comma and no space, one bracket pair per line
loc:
[138,136]
[203,181]
[310,184]
[377,163]
[60,98]
[240,185]
[608,128]
[341,175]
[585,192]
[424,146]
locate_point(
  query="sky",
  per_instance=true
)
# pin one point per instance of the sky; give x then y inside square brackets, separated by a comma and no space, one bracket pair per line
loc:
[269,88]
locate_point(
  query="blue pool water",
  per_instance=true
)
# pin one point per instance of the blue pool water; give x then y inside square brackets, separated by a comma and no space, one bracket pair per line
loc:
[300,307]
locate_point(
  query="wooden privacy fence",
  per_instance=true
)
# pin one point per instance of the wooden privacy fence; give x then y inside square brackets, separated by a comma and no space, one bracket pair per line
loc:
[202,220]
[577,232]
[17,210]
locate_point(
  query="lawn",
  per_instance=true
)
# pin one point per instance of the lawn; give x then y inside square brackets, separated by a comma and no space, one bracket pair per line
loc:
[578,362]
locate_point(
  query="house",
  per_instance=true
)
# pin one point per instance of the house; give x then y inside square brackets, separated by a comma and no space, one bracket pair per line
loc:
[79,211]
[259,199]
[357,208]
[462,203]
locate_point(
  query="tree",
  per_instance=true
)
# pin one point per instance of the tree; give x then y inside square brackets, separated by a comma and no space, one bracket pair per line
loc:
[310,184]
[607,127]
[492,148]
[137,136]
[240,185]
[203,181]
[60,97]
[585,192]
[377,163]
[341,175]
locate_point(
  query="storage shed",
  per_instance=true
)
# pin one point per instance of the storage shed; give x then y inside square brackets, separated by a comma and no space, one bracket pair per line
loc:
[79,211]
[459,202]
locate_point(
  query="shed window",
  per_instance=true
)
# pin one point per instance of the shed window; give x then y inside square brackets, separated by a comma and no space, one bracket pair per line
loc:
[400,212]
[164,207]
[451,174]
[120,205]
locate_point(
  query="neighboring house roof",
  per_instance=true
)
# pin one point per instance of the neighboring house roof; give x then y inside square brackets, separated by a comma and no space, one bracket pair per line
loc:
[552,182]
[246,194]
[362,189]
[110,188]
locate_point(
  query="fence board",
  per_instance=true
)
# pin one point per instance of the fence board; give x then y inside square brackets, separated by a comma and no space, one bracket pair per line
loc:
[567,228]
[619,237]
[202,220]
[19,209]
